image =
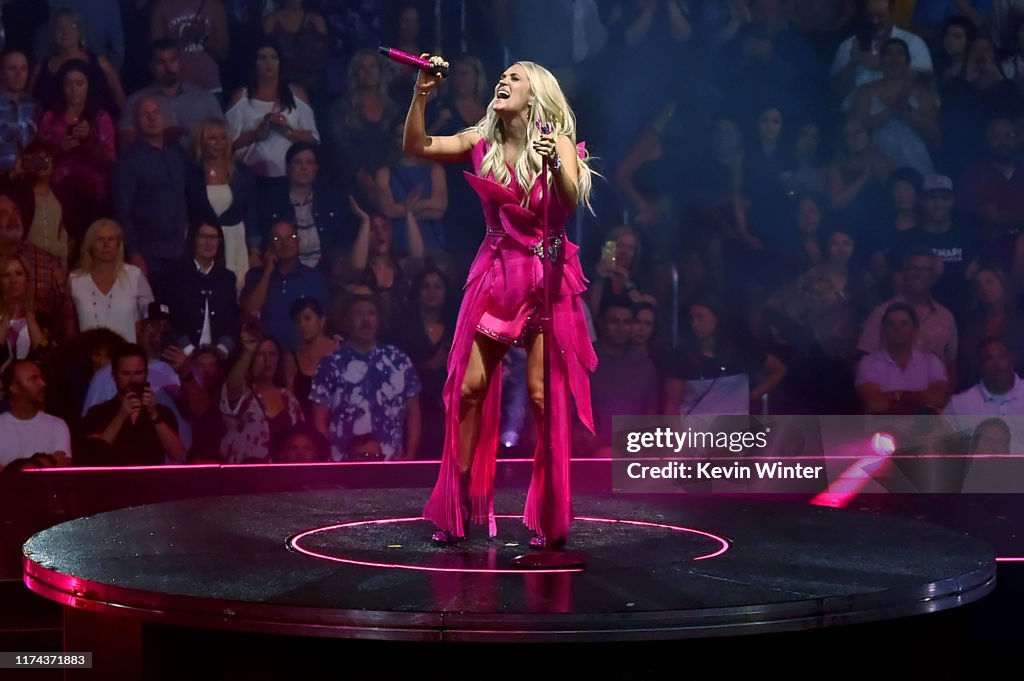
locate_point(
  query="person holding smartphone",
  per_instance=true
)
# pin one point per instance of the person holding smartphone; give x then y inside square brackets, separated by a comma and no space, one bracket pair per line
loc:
[269,115]
[130,429]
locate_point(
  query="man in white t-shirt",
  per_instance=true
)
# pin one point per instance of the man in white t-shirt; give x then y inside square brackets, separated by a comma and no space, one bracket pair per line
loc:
[25,429]
[858,59]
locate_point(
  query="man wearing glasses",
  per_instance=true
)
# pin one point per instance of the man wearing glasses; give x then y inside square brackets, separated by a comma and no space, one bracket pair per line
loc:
[269,292]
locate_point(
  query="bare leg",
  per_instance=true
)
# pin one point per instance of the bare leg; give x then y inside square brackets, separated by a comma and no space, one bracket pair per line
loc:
[484,358]
[535,377]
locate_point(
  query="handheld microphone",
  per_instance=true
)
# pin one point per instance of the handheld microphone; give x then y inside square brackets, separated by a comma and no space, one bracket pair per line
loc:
[412,60]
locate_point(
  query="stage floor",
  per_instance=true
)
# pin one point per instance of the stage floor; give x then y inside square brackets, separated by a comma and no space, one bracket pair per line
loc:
[359,564]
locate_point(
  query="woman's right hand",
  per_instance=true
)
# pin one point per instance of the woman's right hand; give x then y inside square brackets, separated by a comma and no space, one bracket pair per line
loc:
[426,80]
[269,263]
[262,131]
[357,210]
[249,341]
[69,143]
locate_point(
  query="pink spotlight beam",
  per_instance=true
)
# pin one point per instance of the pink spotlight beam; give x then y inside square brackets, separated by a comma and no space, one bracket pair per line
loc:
[851,481]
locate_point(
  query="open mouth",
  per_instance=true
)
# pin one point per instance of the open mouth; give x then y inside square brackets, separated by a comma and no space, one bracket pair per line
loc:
[503,93]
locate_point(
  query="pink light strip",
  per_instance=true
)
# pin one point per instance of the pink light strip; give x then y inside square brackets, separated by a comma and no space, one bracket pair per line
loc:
[829,457]
[675,528]
[294,543]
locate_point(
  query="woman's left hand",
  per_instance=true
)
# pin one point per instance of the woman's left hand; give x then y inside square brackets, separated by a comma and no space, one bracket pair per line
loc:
[545,146]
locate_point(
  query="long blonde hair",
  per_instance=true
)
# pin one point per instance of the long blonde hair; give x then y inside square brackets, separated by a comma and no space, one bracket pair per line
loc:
[5,260]
[548,104]
[204,128]
[85,261]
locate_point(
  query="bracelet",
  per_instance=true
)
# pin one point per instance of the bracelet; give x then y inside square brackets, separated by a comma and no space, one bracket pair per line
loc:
[557,165]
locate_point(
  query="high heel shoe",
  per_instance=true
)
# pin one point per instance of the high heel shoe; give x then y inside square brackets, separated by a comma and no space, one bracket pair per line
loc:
[443,537]
[465,509]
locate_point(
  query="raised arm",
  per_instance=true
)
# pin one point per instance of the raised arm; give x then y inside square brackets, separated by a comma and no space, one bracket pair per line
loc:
[415,238]
[361,247]
[237,377]
[416,141]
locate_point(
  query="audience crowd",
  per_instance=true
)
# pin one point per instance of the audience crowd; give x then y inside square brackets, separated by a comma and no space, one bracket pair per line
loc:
[213,249]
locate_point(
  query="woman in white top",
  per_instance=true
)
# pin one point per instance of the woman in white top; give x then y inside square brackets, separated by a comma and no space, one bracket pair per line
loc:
[268,116]
[221,192]
[107,291]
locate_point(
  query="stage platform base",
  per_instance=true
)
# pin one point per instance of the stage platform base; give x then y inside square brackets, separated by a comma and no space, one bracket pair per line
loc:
[359,564]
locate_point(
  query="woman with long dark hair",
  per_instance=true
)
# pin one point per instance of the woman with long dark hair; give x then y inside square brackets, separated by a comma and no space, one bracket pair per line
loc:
[425,333]
[717,370]
[80,135]
[67,32]
[268,116]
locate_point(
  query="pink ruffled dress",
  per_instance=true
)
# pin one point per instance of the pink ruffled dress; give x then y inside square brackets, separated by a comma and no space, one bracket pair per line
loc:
[503,296]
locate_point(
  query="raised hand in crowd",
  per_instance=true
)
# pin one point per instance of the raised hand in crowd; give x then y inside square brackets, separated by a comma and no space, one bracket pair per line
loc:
[177,360]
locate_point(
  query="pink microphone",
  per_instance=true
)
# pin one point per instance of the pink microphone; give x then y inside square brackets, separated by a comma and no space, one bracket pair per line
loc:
[414,61]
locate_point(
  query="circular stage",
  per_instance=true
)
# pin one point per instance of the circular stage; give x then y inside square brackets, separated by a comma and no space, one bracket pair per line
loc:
[359,564]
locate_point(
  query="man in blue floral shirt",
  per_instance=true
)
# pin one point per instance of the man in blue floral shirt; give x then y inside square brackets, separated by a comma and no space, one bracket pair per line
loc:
[367,388]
